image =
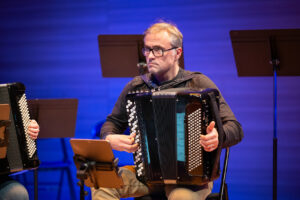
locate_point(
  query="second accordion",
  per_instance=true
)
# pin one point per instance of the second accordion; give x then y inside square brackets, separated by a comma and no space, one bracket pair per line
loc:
[168,124]
[21,150]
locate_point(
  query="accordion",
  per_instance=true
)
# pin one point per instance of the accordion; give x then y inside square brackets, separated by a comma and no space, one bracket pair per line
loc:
[21,149]
[168,124]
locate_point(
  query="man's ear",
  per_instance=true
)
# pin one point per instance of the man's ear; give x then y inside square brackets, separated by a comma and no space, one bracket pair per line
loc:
[178,52]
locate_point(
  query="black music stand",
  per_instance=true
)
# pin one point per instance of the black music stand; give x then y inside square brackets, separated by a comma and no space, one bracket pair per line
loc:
[268,53]
[121,55]
[57,119]
[96,165]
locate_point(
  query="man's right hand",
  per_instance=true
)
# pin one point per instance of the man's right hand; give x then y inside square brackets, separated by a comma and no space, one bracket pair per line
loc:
[122,142]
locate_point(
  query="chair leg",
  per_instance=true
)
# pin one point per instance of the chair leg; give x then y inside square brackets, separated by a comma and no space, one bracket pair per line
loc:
[225,194]
[35,176]
[71,183]
[61,180]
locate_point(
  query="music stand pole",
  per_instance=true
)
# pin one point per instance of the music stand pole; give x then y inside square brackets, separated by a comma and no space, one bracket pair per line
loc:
[83,172]
[275,66]
[254,51]
[275,63]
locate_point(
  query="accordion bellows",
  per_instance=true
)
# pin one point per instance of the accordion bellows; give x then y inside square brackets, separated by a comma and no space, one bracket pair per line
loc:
[168,124]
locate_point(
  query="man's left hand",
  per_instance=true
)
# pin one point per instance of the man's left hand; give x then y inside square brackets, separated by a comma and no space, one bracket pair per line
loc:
[210,141]
[33,129]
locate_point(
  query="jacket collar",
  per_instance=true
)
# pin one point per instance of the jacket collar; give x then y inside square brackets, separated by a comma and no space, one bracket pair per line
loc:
[182,76]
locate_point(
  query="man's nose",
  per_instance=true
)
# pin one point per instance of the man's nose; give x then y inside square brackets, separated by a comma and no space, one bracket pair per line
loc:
[151,54]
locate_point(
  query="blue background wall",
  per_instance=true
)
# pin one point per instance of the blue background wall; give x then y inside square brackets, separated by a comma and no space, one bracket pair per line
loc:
[51,46]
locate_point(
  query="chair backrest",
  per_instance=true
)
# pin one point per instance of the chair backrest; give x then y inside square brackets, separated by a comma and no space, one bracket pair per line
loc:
[96,129]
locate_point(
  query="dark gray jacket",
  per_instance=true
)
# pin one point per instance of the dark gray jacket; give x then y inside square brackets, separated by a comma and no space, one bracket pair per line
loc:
[116,122]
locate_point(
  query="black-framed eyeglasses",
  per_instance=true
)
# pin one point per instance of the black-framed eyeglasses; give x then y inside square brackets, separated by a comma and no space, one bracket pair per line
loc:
[157,51]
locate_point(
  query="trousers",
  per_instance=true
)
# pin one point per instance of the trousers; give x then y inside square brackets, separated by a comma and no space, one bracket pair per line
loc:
[12,190]
[134,188]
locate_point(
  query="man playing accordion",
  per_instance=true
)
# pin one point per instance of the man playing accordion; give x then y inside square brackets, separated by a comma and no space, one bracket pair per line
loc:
[162,49]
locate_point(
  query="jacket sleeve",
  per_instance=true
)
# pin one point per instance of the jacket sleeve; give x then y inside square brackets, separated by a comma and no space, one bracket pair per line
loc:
[233,132]
[116,122]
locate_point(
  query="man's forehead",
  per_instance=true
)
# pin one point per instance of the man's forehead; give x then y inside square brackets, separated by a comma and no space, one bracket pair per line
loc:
[160,39]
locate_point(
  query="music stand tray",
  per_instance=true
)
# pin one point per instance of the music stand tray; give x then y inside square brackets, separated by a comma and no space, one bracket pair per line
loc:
[100,151]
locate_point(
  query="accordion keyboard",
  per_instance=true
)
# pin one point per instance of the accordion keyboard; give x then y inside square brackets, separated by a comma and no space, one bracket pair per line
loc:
[30,143]
[133,125]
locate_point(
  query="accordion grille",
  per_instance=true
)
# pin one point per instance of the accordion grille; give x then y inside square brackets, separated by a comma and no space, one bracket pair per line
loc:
[194,150]
[23,107]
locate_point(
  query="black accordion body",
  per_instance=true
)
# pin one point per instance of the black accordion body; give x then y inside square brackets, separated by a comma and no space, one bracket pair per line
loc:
[168,124]
[21,149]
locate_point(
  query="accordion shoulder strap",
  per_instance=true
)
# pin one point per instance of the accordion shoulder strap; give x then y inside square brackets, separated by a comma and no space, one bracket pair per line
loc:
[220,132]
